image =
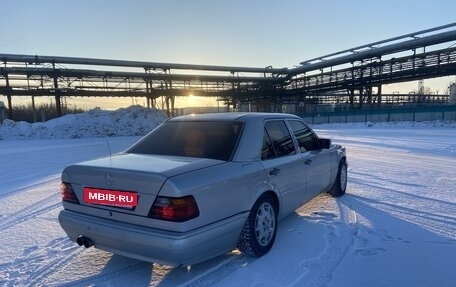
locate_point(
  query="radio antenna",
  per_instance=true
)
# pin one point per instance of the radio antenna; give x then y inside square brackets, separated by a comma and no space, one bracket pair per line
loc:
[110,153]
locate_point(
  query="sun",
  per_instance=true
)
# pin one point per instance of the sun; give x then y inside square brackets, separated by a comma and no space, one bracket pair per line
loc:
[192,100]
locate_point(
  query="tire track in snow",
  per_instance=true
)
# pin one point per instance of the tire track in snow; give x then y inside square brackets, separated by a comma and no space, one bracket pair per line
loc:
[339,239]
[407,195]
[31,211]
[36,263]
[440,224]
[29,186]
[424,202]
[406,160]
[54,266]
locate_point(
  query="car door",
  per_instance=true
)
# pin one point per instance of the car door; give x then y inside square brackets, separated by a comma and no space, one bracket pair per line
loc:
[283,164]
[316,160]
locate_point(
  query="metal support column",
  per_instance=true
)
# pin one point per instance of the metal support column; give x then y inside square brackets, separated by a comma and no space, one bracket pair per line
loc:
[10,107]
[352,98]
[148,98]
[58,105]
[8,97]
[168,112]
[361,97]
[369,96]
[169,99]
[34,109]
[379,95]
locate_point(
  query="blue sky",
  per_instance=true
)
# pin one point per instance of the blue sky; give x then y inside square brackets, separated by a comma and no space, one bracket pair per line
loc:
[238,33]
[244,33]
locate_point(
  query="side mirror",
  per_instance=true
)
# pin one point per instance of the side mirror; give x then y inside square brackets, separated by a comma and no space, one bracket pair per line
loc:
[325,143]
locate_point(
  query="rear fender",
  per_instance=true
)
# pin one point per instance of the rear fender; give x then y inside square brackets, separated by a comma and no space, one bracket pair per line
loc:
[266,187]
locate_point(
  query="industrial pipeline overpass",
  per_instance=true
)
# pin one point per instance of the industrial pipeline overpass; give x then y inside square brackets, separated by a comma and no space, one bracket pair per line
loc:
[353,77]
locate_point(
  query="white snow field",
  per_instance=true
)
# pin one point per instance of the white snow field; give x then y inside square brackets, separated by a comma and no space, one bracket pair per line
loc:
[396,226]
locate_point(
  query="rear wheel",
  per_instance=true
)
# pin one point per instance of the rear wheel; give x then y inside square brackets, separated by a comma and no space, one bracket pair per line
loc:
[340,185]
[260,229]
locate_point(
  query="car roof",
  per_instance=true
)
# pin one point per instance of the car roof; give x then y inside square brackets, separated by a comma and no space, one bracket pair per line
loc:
[231,116]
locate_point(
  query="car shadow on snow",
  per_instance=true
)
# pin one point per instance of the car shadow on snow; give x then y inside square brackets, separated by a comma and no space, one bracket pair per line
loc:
[206,273]
[301,239]
[118,271]
[411,246]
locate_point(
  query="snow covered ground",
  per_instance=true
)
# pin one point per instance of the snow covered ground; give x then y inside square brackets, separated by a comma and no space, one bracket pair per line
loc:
[396,226]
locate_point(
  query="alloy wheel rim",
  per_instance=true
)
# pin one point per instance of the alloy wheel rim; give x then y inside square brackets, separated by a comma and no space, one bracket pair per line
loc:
[265,224]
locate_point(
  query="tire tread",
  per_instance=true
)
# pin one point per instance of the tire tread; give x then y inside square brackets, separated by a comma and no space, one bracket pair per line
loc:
[246,239]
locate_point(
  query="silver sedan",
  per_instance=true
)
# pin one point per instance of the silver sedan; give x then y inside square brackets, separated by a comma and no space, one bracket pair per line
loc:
[199,186]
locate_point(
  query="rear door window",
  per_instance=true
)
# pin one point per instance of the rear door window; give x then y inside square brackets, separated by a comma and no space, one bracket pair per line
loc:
[277,141]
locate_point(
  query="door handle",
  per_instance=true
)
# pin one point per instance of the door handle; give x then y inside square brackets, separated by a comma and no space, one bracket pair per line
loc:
[308,162]
[274,171]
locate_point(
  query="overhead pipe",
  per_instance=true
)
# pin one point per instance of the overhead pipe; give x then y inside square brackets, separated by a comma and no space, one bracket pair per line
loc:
[414,34]
[133,64]
[150,76]
[377,52]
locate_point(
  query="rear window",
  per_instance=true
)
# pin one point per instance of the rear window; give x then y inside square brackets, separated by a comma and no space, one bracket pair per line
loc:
[215,140]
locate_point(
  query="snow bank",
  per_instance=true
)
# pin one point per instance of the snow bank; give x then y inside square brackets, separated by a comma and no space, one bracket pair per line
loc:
[131,121]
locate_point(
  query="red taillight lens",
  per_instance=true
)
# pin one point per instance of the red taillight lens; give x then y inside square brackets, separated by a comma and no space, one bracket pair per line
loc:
[178,209]
[67,193]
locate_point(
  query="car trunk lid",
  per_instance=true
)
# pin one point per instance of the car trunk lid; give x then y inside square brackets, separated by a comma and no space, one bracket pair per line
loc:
[137,179]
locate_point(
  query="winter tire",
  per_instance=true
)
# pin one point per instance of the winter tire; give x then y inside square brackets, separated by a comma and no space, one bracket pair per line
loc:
[260,229]
[340,185]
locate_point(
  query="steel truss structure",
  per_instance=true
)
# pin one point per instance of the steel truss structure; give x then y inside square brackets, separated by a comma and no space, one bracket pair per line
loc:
[347,76]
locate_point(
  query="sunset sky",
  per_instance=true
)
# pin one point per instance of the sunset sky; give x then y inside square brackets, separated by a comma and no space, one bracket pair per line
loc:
[235,33]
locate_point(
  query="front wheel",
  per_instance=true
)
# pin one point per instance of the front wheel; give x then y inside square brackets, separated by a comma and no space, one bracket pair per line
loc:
[260,229]
[340,185]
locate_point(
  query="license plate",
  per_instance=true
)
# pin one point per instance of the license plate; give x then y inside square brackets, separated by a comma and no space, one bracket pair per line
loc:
[110,197]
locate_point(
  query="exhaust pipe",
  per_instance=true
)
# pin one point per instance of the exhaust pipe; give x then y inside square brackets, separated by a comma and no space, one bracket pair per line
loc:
[84,241]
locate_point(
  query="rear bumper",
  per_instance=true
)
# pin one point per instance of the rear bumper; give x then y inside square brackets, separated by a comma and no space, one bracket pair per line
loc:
[153,245]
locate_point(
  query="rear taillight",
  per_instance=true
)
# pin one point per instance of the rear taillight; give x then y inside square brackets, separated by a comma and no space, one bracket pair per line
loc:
[67,193]
[176,209]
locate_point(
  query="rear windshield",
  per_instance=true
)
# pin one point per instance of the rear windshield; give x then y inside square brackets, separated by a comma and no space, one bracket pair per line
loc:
[215,140]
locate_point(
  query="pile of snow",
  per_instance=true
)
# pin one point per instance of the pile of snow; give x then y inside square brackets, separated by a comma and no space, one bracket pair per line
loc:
[424,124]
[131,121]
